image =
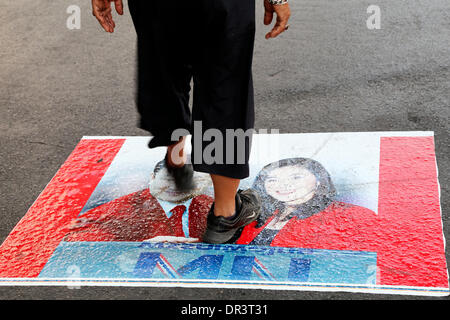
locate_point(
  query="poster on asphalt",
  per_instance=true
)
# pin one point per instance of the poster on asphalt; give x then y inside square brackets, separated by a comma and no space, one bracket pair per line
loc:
[353,211]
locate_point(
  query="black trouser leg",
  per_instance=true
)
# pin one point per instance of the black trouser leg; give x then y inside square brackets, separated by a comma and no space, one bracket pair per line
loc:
[164,71]
[211,40]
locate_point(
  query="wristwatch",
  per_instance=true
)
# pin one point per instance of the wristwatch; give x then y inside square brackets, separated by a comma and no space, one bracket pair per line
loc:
[277,2]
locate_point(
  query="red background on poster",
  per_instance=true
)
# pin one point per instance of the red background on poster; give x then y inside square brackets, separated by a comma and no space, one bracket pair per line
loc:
[32,242]
[409,198]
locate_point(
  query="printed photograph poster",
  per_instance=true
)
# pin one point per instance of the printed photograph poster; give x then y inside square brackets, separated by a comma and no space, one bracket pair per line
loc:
[354,211]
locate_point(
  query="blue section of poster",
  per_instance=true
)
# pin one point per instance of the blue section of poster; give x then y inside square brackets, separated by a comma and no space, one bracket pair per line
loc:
[151,261]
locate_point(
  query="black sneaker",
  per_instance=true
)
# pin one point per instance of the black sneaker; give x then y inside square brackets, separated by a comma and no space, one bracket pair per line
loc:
[221,230]
[183,176]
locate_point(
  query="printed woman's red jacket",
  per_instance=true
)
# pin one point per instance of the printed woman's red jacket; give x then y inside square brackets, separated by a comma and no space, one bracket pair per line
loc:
[344,226]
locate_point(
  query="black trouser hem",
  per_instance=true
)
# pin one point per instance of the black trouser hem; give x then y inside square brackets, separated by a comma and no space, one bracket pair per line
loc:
[226,170]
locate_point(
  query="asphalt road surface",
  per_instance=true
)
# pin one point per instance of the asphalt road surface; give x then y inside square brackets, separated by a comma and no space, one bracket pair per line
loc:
[327,73]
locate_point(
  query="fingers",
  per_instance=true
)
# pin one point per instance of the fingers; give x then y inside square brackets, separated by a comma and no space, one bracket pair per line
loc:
[283,13]
[279,27]
[268,17]
[268,13]
[119,6]
[101,9]
[103,18]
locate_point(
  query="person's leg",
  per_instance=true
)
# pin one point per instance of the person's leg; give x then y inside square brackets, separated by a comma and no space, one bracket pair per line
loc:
[164,76]
[224,195]
[163,69]
[223,93]
[224,107]
[177,166]
[176,155]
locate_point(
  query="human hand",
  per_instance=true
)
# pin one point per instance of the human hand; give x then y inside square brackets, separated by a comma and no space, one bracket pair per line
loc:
[283,13]
[101,9]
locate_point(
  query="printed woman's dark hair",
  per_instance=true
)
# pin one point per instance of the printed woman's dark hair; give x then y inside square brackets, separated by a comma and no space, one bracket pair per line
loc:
[324,194]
